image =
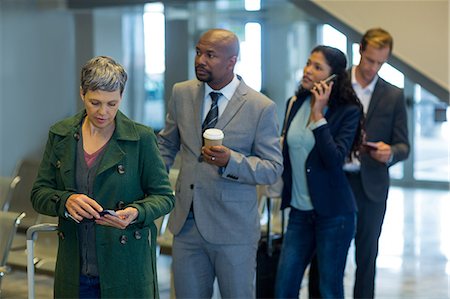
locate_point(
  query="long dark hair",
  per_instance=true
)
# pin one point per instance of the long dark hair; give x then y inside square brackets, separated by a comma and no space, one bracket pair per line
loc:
[342,92]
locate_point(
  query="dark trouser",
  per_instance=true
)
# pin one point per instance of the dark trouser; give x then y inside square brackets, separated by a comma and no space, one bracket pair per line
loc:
[89,287]
[368,229]
[313,283]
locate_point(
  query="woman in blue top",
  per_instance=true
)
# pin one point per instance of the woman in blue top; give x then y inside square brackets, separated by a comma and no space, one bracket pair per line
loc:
[322,129]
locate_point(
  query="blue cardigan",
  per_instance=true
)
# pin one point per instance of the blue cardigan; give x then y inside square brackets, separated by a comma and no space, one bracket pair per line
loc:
[330,192]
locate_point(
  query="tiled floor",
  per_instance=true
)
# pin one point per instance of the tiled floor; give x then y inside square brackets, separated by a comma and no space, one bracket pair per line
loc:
[413,261]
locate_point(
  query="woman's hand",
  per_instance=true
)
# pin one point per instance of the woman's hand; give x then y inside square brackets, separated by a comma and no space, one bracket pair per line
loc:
[81,206]
[321,94]
[122,220]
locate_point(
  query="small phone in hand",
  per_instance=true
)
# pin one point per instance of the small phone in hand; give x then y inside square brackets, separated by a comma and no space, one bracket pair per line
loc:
[108,212]
[370,146]
[327,80]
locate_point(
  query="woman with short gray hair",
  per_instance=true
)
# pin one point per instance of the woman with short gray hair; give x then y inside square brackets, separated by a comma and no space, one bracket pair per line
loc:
[103,176]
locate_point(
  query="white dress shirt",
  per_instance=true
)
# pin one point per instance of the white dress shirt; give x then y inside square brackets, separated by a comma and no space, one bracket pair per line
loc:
[364,95]
[227,92]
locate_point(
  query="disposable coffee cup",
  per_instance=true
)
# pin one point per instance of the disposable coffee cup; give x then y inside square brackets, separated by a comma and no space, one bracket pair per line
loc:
[213,137]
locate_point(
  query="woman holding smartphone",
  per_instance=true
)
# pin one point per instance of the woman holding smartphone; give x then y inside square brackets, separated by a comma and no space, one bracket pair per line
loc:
[322,129]
[103,175]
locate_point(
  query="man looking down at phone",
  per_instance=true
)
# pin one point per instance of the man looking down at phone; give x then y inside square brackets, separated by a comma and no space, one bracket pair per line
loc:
[103,176]
[387,143]
[322,129]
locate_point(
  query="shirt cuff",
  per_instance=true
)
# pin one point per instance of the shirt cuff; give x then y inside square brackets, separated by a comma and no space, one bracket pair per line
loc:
[317,124]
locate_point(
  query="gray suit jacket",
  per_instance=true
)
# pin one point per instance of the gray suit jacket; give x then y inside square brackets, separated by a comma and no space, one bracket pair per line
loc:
[386,121]
[224,199]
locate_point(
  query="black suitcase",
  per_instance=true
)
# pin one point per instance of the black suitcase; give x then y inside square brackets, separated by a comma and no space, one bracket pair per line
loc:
[267,257]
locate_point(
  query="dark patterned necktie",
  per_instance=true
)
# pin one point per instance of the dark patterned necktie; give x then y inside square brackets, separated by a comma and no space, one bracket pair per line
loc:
[213,114]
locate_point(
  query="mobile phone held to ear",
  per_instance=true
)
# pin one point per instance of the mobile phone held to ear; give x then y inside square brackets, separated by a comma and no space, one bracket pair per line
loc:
[327,80]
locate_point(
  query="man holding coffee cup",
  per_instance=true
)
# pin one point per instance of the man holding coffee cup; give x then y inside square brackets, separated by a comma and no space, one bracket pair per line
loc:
[213,137]
[215,221]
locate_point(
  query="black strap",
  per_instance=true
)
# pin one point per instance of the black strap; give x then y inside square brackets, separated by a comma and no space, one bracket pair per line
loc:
[269,225]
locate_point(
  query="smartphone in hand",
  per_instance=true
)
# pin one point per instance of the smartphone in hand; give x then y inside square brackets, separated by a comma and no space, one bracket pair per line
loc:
[327,80]
[108,212]
[370,146]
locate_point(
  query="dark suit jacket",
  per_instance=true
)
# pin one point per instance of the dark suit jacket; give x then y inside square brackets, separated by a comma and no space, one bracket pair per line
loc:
[329,189]
[386,121]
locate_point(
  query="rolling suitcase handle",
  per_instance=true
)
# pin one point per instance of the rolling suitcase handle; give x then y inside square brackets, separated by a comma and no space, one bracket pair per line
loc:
[269,226]
[31,237]
[267,256]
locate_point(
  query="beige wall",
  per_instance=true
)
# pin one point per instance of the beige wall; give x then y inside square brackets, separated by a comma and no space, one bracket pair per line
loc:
[420,29]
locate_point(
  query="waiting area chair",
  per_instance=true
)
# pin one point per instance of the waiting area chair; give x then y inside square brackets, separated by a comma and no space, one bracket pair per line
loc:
[18,192]
[32,234]
[19,196]
[9,221]
[7,186]
[165,237]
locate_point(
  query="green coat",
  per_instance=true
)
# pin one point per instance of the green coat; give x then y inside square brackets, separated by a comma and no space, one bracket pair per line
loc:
[131,173]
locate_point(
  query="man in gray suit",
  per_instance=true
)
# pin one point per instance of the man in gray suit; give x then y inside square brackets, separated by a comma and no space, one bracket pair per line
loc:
[215,221]
[387,143]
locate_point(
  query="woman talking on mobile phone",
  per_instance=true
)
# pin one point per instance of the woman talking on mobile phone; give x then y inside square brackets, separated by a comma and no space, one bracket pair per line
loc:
[322,129]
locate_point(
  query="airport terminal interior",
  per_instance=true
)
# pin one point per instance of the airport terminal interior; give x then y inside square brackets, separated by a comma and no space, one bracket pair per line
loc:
[412,263]
[155,41]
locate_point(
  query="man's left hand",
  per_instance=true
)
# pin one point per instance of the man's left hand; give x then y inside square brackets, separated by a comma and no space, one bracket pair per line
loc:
[383,152]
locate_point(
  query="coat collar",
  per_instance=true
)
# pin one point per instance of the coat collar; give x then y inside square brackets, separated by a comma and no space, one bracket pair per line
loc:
[69,131]
[125,128]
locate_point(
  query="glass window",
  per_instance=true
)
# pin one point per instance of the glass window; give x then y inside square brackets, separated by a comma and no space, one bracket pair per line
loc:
[355,53]
[249,64]
[227,5]
[252,5]
[334,38]
[154,41]
[432,137]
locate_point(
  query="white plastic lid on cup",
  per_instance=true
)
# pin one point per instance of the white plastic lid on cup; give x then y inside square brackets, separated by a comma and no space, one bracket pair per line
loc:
[213,134]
